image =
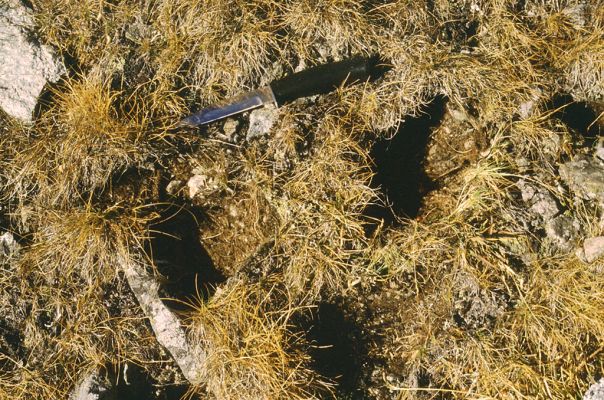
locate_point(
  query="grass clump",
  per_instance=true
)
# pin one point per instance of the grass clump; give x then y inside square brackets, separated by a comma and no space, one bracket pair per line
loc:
[78,145]
[253,351]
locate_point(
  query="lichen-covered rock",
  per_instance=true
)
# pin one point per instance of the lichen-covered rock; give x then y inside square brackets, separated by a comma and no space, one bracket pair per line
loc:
[540,201]
[585,176]
[475,307]
[26,66]
[563,232]
[596,391]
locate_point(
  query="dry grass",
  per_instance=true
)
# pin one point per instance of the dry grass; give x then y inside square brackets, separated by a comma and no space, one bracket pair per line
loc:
[75,148]
[299,194]
[253,351]
[79,315]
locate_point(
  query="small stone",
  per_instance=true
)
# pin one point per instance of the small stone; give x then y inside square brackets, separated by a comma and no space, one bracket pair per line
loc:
[230,127]
[27,66]
[174,186]
[528,107]
[593,248]
[524,110]
[563,232]
[8,245]
[458,115]
[261,121]
[585,176]
[203,185]
[596,391]
[196,184]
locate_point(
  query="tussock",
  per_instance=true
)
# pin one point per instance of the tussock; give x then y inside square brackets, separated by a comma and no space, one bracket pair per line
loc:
[253,351]
[79,144]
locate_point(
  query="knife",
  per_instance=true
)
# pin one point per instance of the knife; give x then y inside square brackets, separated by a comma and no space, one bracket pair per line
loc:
[316,80]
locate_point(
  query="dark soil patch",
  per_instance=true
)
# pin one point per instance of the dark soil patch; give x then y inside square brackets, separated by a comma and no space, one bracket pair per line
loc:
[339,349]
[176,250]
[174,242]
[10,344]
[134,383]
[399,166]
[577,115]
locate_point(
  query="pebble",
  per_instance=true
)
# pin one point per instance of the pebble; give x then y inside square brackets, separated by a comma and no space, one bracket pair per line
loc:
[593,248]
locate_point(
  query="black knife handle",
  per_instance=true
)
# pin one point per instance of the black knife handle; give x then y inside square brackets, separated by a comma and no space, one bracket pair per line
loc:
[327,77]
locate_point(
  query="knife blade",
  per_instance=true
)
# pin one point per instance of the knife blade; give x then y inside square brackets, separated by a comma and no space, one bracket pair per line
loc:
[316,80]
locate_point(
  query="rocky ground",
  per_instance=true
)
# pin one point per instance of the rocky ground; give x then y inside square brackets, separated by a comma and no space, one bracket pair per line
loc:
[437,233]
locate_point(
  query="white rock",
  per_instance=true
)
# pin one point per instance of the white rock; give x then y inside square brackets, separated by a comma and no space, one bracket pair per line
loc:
[528,107]
[90,387]
[26,66]
[8,245]
[196,184]
[596,391]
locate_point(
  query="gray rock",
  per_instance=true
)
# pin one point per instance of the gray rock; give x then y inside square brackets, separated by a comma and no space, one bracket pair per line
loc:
[261,121]
[563,231]
[596,391]
[91,387]
[593,248]
[168,330]
[26,66]
[585,176]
